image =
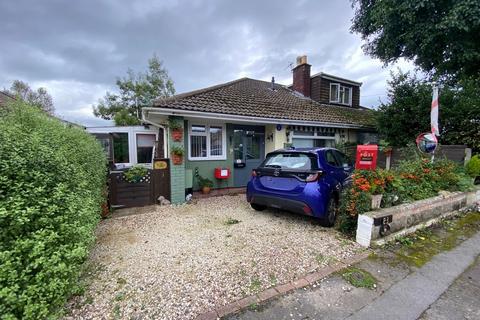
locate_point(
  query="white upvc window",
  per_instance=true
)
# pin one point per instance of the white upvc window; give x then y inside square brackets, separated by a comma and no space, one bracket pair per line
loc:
[340,94]
[207,141]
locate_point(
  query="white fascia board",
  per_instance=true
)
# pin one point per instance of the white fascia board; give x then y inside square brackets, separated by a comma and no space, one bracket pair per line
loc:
[239,118]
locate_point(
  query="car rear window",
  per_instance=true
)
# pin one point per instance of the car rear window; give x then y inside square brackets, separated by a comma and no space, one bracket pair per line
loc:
[292,160]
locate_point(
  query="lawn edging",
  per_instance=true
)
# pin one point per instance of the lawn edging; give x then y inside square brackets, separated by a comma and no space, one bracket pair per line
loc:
[281,289]
[378,227]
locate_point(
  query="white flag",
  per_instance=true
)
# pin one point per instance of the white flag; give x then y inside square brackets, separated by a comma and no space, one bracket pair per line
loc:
[434,113]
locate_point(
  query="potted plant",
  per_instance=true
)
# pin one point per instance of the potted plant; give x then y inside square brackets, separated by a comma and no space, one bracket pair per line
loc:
[473,168]
[177,153]
[135,174]
[177,129]
[205,184]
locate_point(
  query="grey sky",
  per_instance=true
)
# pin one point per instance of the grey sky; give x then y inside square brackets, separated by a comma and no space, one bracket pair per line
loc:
[76,49]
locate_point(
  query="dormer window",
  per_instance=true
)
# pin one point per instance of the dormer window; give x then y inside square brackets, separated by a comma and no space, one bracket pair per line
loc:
[340,94]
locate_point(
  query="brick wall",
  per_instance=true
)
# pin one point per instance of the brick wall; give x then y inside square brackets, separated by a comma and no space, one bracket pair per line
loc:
[177,172]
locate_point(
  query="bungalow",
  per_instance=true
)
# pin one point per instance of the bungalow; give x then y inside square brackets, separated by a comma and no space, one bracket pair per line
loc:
[233,125]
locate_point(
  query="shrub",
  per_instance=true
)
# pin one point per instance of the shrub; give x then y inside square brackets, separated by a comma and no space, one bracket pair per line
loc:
[135,173]
[473,166]
[412,180]
[52,180]
[177,150]
[204,182]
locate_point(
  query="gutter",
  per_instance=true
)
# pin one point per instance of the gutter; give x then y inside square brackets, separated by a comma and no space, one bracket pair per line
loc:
[228,117]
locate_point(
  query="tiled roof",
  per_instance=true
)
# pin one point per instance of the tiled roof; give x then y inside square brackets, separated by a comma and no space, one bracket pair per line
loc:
[255,98]
[4,98]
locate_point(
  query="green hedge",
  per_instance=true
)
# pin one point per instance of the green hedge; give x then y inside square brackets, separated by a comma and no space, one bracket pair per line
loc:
[52,179]
[411,180]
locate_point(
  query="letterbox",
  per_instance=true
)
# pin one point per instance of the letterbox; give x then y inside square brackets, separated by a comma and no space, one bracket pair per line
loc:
[222,173]
[366,157]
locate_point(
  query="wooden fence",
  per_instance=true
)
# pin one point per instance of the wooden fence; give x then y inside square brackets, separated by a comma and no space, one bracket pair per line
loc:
[126,194]
[454,153]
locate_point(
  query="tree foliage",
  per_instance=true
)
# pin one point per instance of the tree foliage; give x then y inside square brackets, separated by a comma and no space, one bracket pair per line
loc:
[52,182]
[440,36]
[136,90]
[39,98]
[407,111]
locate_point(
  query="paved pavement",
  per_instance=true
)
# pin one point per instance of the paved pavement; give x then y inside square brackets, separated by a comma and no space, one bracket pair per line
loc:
[447,287]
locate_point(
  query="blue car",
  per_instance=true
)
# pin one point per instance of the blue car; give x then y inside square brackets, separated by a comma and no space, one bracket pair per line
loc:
[307,181]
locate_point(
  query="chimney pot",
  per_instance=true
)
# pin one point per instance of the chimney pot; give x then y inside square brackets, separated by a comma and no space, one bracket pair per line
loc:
[301,60]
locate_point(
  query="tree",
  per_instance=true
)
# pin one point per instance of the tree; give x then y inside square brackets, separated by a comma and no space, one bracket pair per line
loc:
[39,98]
[136,90]
[407,112]
[440,36]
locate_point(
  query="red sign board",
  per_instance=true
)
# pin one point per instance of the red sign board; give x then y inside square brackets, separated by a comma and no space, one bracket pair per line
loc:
[366,157]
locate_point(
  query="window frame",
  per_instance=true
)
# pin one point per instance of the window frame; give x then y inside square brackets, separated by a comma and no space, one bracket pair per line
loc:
[207,134]
[153,147]
[341,87]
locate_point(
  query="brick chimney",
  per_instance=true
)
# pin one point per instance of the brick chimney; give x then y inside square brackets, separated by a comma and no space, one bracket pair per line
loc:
[301,76]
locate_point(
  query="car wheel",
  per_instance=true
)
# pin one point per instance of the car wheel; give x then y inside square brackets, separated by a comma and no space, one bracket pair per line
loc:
[332,209]
[258,207]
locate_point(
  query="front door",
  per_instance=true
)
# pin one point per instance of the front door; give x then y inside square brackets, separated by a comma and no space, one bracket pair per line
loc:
[248,152]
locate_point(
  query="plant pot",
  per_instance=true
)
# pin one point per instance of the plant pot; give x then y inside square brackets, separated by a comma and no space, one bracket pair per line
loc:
[176,159]
[376,200]
[177,135]
[206,190]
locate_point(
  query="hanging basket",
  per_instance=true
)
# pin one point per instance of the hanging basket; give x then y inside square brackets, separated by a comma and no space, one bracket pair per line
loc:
[177,135]
[177,159]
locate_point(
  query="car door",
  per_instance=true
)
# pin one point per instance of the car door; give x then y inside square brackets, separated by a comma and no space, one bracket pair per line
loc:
[335,171]
[345,166]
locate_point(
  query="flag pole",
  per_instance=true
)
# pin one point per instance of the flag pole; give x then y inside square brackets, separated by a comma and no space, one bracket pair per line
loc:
[434,116]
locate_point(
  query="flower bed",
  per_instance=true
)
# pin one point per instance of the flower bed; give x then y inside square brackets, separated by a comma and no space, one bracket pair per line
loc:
[412,180]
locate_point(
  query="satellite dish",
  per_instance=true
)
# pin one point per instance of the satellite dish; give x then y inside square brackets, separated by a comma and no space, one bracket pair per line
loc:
[427,142]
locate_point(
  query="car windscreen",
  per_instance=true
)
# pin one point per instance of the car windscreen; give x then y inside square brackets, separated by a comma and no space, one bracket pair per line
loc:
[291,160]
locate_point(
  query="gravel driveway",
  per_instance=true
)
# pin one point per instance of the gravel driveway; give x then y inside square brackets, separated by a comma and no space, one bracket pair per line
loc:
[176,262]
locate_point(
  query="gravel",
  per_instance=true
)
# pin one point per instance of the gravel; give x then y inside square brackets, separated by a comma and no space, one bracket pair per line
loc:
[175,262]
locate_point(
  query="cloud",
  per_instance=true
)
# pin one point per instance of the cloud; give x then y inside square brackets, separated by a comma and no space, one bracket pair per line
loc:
[77,48]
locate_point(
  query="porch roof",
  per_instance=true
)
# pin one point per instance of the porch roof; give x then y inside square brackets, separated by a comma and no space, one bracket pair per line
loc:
[256,99]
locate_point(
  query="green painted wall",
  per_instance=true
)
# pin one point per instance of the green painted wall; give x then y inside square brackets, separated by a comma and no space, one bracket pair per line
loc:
[206,167]
[177,172]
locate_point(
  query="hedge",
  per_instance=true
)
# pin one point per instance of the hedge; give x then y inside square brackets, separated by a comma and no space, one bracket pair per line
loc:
[411,180]
[52,179]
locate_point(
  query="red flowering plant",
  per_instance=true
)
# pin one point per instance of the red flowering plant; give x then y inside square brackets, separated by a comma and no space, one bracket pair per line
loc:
[411,180]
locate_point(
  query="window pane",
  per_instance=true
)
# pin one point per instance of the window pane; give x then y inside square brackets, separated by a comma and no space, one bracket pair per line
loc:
[216,141]
[334,93]
[198,129]
[145,140]
[238,144]
[299,161]
[145,143]
[198,146]
[120,148]
[346,99]
[331,160]
[302,143]
[105,142]
[253,146]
